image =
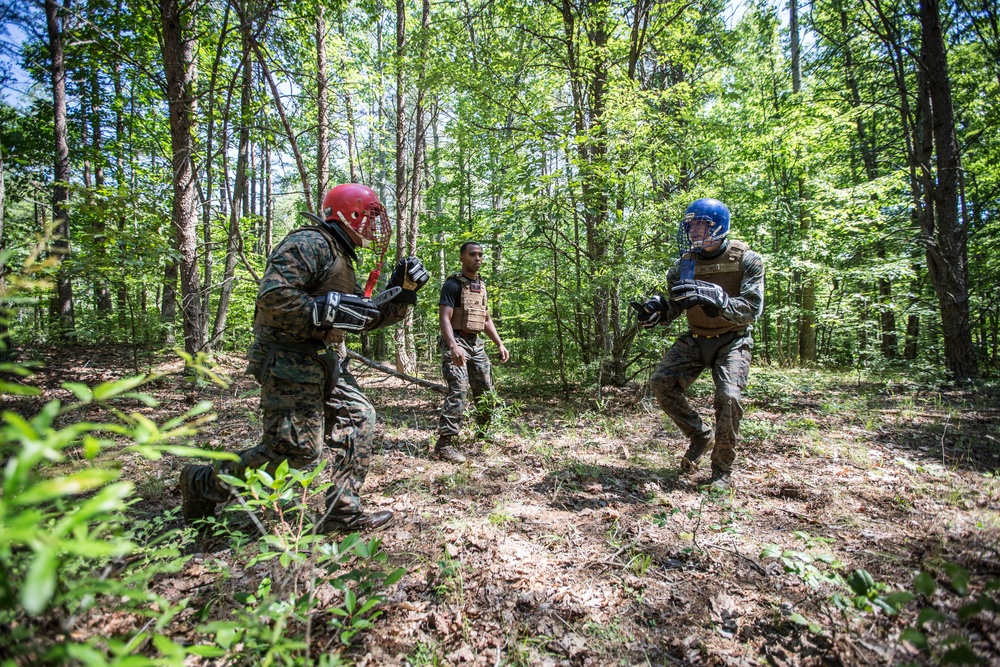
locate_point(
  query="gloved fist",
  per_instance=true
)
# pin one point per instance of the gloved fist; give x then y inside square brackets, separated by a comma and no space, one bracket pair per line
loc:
[712,298]
[409,274]
[651,313]
[337,310]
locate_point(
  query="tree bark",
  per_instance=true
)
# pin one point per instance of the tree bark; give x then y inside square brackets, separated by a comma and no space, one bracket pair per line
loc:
[587,87]
[405,362]
[237,205]
[322,110]
[944,235]
[179,64]
[63,306]
[101,289]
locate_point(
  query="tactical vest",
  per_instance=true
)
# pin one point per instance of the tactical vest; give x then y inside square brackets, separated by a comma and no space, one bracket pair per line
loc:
[341,279]
[472,312]
[726,271]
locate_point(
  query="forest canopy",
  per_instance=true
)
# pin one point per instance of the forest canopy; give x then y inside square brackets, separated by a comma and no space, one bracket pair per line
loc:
[163,149]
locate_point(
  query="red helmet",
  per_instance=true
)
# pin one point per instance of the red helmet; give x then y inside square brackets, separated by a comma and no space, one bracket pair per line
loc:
[357,207]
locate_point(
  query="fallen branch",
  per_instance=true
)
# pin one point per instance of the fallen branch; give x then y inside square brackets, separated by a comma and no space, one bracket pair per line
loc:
[440,388]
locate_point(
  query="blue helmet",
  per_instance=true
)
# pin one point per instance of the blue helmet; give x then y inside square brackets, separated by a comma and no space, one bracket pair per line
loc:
[710,211]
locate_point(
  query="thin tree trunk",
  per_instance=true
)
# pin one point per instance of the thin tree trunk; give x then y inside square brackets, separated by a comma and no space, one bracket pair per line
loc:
[239,190]
[101,289]
[322,110]
[179,61]
[276,96]
[946,242]
[269,210]
[60,191]
[405,363]
[121,286]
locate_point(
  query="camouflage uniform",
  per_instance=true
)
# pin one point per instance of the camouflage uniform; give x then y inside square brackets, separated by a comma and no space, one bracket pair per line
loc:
[301,409]
[475,375]
[724,345]
[470,303]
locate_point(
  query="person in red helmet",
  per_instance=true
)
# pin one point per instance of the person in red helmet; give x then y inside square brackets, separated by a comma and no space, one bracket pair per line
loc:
[307,301]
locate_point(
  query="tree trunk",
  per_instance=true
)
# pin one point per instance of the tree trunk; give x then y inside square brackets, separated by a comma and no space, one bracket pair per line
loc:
[587,87]
[322,110]
[945,237]
[179,53]
[269,211]
[405,362]
[101,289]
[239,189]
[60,191]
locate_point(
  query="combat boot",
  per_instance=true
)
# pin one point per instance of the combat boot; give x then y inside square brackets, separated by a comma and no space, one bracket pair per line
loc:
[720,479]
[689,462]
[446,451]
[351,523]
[194,505]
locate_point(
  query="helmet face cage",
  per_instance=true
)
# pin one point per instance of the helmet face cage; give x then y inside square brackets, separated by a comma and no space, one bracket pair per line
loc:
[685,243]
[711,213]
[356,206]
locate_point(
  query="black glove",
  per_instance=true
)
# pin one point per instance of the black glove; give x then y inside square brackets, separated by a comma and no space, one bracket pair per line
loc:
[411,275]
[336,310]
[690,293]
[651,313]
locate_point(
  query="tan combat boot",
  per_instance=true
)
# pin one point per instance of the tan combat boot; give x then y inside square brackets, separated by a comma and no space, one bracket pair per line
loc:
[446,451]
[689,463]
[720,479]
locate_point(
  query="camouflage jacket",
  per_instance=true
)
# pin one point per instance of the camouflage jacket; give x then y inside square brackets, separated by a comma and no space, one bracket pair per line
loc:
[301,263]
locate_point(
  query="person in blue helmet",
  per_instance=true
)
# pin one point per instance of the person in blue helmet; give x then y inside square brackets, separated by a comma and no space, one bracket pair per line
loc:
[718,283]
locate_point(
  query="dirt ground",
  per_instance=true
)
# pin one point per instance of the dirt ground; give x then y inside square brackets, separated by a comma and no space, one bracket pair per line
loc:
[569,537]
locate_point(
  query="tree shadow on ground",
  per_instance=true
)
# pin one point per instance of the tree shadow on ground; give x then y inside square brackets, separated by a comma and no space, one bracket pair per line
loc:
[580,486]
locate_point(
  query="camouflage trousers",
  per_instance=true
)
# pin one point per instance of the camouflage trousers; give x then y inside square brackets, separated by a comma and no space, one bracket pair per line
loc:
[298,421]
[476,375]
[729,358]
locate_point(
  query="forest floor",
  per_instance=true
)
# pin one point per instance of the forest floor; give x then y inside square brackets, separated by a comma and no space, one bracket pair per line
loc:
[569,538]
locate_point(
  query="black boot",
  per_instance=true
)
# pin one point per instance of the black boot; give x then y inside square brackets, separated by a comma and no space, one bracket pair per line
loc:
[194,505]
[446,451]
[351,523]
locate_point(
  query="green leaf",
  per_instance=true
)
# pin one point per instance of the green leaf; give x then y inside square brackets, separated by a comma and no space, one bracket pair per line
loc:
[961,655]
[350,600]
[959,577]
[929,614]
[771,551]
[40,582]
[915,637]
[861,582]
[924,584]
[79,482]
[107,390]
[967,611]
[18,389]
[206,651]
[394,576]
[80,390]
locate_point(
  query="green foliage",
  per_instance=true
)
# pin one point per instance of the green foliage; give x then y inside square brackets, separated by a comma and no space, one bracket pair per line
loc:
[63,530]
[856,594]
[934,631]
[304,560]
